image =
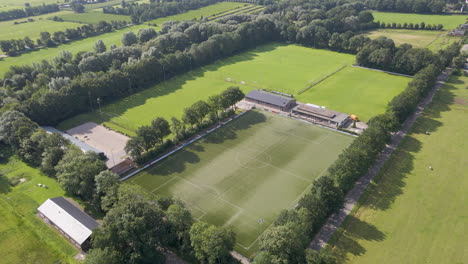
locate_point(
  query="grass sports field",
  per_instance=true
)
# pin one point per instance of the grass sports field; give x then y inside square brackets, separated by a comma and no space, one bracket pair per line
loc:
[93,17]
[285,68]
[412,214]
[24,237]
[8,30]
[248,170]
[362,92]
[198,13]
[449,21]
[434,40]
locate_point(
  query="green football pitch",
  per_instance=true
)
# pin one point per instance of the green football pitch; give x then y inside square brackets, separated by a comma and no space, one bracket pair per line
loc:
[243,174]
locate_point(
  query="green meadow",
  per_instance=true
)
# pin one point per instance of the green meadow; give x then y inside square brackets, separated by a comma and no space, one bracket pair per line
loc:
[247,171]
[284,68]
[449,21]
[433,40]
[25,238]
[93,17]
[14,4]
[410,213]
[8,30]
[206,11]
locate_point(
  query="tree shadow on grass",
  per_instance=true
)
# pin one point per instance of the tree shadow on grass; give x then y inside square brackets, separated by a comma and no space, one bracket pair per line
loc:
[4,184]
[176,164]
[355,230]
[230,131]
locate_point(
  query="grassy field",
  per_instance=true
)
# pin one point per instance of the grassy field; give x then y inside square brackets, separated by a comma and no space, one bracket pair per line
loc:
[88,43]
[248,170]
[449,21]
[434,40]
[198,13]
[24,237]
[412,214]
[14,4]
[361,92]
[8,30]
[285,68]
[93,17]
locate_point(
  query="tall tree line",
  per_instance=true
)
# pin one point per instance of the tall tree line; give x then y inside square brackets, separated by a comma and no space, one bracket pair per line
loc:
[28,11]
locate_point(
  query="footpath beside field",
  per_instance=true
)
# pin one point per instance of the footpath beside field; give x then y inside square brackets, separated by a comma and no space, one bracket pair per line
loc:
[336,219]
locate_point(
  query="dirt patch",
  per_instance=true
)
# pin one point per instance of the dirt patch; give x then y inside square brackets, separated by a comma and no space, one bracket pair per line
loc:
[103,139]
[460,101]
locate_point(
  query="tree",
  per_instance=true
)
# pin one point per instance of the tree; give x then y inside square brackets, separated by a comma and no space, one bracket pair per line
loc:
[146,34]
[180,221]
[107,184]
[210,243]
[282,244]
[99,256]
[161,129]
[216,104]
[76,178]
[77,7]
[46,39]
[178,128]
[201,110]
[99,46]
[231,96]
[129,38]
[15,127]
[133,228]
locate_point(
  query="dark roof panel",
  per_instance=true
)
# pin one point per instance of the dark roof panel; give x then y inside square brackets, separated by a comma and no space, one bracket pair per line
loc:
[269,98]
[76,213]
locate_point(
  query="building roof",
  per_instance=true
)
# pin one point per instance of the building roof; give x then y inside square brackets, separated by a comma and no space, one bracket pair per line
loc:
[77,224]
[269,98]
[321,112]
[83,146]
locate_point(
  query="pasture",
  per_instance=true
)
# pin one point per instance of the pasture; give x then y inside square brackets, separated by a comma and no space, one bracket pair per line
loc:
[284,68]
[25,238]
[243,174]
[15,4]
[433,40]
[206,11]
[412,214]
[93,17]
[8,30]
[449,21]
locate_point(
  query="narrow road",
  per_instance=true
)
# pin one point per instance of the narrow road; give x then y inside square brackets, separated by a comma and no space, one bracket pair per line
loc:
[336,219]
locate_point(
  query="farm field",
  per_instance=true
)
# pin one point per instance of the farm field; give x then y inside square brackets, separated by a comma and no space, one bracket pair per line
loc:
[449,21]
[93,17]
[75,46]
[284,68]
[412,214]
[362,92]
[206,11]
[86,44]
[25,238]
[434,40]
[8,30]
[248,170]
[14,4]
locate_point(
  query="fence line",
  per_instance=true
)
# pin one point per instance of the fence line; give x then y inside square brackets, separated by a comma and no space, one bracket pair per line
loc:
[389,72]
[321,79]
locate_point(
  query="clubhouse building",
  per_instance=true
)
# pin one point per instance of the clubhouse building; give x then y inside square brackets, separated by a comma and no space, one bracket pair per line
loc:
[321,114]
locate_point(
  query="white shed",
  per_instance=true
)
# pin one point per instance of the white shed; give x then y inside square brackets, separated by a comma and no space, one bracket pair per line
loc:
[70,220]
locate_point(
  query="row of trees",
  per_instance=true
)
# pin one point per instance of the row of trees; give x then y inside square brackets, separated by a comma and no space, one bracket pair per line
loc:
[28,11]
[144,12]
[15,46]
[136,225]
[293,229]
[409,6]
[149,139]
[421,26]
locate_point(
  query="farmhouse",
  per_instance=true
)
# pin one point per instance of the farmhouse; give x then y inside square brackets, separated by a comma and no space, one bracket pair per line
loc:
[279,102]
[321,114]
[69,220]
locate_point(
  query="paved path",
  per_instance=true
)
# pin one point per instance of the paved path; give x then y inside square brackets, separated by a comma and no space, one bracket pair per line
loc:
[336,219]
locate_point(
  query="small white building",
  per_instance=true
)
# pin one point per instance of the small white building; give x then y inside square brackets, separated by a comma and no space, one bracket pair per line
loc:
[69,220]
